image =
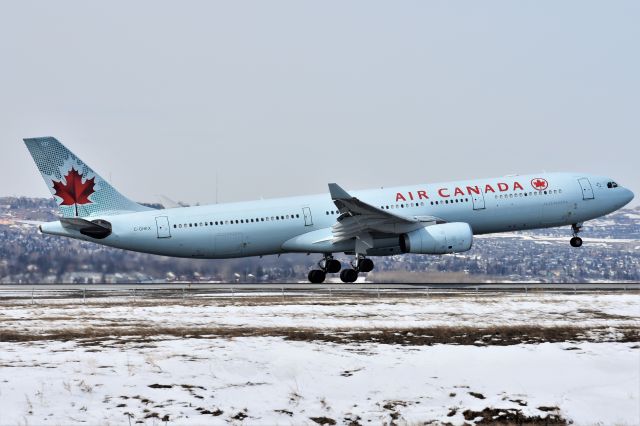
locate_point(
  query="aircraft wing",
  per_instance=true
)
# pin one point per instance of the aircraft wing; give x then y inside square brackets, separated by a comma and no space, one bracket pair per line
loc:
[358,218]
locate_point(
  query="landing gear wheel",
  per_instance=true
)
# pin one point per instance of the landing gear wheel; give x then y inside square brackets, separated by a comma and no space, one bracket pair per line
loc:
[365,265]
[333,266]
[575,242]
[349,275]
[316,276]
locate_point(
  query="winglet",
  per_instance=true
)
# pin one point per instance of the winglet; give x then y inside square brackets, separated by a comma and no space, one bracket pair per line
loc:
[337,193]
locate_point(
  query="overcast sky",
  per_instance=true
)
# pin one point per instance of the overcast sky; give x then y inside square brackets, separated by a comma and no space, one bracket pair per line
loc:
[279,98]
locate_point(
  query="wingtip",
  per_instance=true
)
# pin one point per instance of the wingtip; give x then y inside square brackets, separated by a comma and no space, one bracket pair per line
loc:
[337,192]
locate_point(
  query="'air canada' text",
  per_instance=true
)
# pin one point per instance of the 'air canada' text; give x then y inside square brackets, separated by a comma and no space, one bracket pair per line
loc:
[460,191]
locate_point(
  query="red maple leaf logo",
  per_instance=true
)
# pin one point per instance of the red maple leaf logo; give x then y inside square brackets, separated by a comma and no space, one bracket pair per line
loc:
[539,183]
[74,192]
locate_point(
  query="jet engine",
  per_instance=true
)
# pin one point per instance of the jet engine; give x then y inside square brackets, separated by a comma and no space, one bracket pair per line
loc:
[452,237]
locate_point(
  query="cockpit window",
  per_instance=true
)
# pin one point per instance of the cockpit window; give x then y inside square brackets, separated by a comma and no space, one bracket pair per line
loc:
[612,185]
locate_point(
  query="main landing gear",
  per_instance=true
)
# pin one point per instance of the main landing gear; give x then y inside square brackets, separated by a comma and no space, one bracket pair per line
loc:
[576,241]
[328,265]
[362,264]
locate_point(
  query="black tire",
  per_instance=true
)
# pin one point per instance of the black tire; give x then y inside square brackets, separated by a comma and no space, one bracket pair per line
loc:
[576,242]
[349,275]
[333,266]
[316,276]
[365,265]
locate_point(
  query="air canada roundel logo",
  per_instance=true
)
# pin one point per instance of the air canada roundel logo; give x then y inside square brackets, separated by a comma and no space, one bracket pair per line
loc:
[539,184]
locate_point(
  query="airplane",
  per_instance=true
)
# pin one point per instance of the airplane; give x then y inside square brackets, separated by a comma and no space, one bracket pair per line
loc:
[435,219]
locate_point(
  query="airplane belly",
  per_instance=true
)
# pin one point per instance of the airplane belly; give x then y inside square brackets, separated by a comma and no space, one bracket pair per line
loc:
[229,244]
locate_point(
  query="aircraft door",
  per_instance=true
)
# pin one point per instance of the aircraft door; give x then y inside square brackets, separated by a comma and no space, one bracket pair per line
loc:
[308,220]
[478,200]
[587,190]
[162,226]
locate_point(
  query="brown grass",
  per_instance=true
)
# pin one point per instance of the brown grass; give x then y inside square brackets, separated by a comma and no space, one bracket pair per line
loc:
[511,416]
[478,336]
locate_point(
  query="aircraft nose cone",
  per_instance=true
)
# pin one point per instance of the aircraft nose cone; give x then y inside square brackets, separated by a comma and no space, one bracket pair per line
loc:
[628,195]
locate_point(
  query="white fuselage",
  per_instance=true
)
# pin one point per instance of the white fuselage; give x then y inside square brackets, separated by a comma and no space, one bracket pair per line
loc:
[280,225]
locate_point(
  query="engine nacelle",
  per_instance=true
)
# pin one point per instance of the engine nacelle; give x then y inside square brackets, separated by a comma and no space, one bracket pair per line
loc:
[452,237]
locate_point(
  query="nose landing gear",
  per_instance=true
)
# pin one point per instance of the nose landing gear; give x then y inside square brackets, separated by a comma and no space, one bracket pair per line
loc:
[576,241]
[328,265]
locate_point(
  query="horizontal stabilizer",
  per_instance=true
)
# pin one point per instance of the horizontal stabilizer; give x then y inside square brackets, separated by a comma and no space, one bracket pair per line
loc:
[98,228]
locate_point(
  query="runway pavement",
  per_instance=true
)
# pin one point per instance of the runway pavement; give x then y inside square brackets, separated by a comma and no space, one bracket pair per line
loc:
[173,290]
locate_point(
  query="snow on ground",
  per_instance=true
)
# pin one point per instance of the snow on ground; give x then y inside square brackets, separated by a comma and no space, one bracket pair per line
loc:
[268,379]
[335,312]
[272,381]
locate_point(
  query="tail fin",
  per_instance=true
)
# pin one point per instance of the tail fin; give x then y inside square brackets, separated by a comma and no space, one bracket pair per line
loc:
[78,190]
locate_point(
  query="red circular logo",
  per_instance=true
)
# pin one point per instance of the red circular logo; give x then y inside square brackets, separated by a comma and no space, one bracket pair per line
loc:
[539,184]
